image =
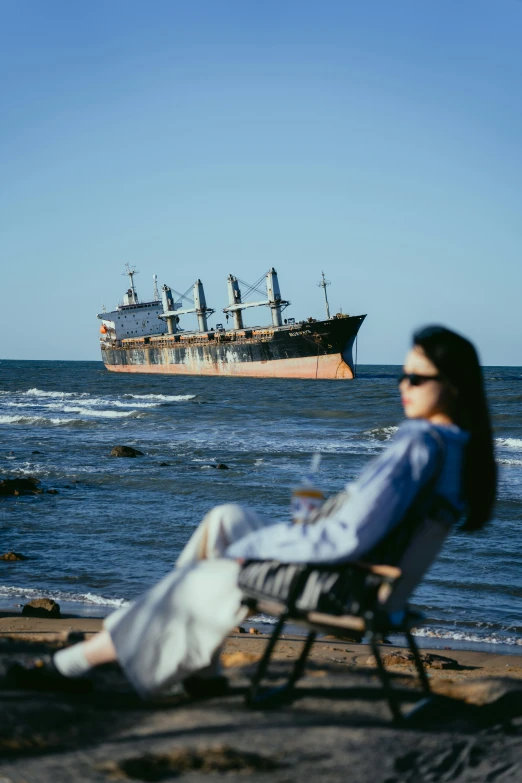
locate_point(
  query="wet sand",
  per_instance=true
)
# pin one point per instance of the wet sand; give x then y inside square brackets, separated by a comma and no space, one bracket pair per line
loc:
[337,721]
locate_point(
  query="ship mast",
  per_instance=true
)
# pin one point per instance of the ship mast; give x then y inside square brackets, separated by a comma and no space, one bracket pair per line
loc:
[131,271]
[324,282]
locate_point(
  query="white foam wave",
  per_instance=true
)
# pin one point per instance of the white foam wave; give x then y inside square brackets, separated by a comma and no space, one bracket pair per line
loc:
[86,399]
[509,461]
[95,402]
[381,433]
[430,633]
[465,636]
[264,619]
[59,595]
[39,420]
[162,397]
[117,403]
[510,443]
[19,404]
[99,600]
[90,412]
[59,394]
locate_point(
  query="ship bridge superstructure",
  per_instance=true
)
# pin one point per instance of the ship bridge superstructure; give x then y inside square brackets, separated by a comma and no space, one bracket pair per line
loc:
[133,318]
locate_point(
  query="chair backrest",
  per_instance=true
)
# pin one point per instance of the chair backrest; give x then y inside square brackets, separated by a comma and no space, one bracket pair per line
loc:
[422,549]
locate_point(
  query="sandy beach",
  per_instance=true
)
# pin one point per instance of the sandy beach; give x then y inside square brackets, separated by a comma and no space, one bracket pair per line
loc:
[337,720]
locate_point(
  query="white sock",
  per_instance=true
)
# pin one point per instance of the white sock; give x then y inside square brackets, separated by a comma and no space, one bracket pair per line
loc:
[72,662]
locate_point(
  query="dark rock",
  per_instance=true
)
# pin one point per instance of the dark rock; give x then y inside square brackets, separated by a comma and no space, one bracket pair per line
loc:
[221,466]
[433,661]
[126,451]
[52,491]
[41,607]
[13,556]
[165,464]
[19,486]
[36,452]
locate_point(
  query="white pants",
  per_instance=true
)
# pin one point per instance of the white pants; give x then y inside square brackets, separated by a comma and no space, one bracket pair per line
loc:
[177,626]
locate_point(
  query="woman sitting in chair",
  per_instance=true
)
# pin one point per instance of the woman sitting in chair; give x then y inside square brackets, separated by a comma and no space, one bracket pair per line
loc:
[177,627]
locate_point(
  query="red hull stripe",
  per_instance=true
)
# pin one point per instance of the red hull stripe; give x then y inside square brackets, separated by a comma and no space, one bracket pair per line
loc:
[330,367]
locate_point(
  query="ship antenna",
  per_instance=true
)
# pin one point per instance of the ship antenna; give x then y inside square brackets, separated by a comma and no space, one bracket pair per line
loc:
[324,282]
[156,290]
[131,271]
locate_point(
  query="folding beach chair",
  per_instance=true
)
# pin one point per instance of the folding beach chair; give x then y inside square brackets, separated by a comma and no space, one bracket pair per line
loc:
[355,599]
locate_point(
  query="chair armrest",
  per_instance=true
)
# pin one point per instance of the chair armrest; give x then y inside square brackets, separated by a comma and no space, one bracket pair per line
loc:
[389,572]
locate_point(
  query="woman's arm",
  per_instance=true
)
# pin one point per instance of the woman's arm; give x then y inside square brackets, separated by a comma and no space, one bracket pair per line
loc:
[376,503]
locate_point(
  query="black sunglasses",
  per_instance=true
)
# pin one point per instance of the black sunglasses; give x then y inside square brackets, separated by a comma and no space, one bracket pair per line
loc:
[417,380]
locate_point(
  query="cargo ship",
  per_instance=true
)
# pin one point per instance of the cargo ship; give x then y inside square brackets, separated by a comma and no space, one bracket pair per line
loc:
[147,337]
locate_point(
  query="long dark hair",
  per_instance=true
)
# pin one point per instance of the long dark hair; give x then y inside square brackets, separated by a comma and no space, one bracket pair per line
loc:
[457,361]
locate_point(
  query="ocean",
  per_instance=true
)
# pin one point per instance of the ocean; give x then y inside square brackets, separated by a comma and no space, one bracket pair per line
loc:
[116,526]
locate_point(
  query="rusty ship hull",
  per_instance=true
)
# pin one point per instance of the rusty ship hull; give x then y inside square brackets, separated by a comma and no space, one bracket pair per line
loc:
[315,350]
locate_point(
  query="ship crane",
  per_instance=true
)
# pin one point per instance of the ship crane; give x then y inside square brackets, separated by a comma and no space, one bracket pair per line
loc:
[274,301]
[172,310]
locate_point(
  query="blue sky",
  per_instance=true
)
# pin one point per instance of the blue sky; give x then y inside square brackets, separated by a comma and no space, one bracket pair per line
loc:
[377,140]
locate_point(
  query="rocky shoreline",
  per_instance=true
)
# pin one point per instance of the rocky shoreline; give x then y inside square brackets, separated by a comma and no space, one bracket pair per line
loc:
[337,721]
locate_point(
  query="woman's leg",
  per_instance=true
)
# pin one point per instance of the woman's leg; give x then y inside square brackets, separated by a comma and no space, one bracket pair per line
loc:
[75,661]
[218,529]
[175,628]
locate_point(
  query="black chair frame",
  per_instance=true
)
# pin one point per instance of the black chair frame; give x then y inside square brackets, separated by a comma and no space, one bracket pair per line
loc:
[369,621]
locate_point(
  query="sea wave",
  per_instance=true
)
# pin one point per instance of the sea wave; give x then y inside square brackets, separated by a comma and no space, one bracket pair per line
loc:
[98,413]
[42,421]
[41,393]
[501,461]
[268,445]
[103,401]
[510,443]
[381,433]
[19,404]
[94,402]
[61,595]
[466,636]
[430,633]
[162,397]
